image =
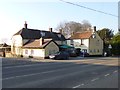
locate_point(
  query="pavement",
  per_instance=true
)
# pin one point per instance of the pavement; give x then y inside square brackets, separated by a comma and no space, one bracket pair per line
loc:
[91,72]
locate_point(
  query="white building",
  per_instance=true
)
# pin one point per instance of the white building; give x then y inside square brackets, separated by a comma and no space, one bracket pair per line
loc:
[39,43]
[88,41]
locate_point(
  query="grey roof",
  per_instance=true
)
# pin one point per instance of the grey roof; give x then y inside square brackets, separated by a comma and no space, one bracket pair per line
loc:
[37,34]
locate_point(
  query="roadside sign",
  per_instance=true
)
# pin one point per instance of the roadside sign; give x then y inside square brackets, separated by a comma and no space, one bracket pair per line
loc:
[109,46]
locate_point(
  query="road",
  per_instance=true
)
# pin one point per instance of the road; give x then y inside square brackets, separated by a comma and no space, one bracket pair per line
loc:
[97,72]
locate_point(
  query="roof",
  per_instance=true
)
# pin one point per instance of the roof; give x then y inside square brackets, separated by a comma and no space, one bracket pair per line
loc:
[81,35]
[29,33]
[66,46]
[4,45]
[36,43]
[37,34]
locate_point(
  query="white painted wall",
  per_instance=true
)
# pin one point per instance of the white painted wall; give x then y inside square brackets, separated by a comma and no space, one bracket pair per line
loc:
[36,52]
[94,46]
[16,45]
[77,43]
[17,40]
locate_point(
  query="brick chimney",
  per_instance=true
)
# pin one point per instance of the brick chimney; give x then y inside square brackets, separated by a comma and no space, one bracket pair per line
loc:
[94,28]
[50,29]
[25,25]
[61,31]
[41,41]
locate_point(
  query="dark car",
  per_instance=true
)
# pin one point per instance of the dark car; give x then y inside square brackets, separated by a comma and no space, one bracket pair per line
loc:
[84,54]
[78,50]
[60,55]
[72,53]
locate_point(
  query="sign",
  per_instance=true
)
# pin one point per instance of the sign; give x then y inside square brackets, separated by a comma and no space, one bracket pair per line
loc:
[109,46]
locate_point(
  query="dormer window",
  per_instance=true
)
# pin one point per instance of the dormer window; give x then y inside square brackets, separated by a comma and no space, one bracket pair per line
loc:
[59,35]
[42,34]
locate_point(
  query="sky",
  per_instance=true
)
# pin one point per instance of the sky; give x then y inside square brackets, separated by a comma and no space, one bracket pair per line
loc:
[44,14]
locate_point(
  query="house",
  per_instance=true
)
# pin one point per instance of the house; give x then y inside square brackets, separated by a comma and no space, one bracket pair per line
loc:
[4,48]
[39,48]
[87,41]
[41,42]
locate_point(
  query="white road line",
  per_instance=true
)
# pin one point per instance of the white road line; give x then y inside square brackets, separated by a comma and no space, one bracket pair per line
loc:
[97,63]
[94,79]
[28,75]
[107,75]
[37,73]
[21,66]
[78,85]
[115,71]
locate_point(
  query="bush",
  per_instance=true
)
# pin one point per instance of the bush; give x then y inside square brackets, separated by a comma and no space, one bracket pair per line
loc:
[116,48]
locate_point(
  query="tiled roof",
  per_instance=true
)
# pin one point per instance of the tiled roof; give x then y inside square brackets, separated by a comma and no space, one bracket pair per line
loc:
[37,34]
[4,45]
[81,35]
[36,43]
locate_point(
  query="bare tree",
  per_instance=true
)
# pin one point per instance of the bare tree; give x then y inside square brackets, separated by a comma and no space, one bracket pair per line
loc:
[69,28]
[86,25]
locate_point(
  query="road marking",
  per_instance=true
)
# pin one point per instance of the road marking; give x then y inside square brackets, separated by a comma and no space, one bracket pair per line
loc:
[107,75]
[27,65]
[94,79]
[97,63]
[22,66]
[28,75]
[38,73]
[115,71]
[78,85]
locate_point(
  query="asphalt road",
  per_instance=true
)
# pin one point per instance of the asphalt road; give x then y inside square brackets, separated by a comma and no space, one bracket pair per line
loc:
[77,73]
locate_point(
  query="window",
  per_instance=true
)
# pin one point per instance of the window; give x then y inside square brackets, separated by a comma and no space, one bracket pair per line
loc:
[84,50]
[98,50]
[72,43]
[93,35]
[43,34]
[32,52]
[59,35]
[90,51]
[26,51]
[94,51]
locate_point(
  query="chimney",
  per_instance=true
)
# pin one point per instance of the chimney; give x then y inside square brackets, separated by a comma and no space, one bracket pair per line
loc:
[41,41]
[61,31]
[25,25]
[73,33]
[50,29]
[94,28]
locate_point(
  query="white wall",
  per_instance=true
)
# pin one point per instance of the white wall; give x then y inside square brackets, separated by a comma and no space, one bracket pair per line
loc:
[83,46]
[51,48]
[16,45]
[36,52]
[17,40]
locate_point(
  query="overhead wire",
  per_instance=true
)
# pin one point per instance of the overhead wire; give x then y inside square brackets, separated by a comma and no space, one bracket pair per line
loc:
[89,8]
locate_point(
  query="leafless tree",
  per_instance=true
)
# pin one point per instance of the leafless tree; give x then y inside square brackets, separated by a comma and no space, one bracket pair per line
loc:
[69,28]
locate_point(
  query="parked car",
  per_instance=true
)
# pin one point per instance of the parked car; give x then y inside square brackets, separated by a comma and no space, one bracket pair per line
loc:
[78,50]
[72,53]
[85,54]
[60,55]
